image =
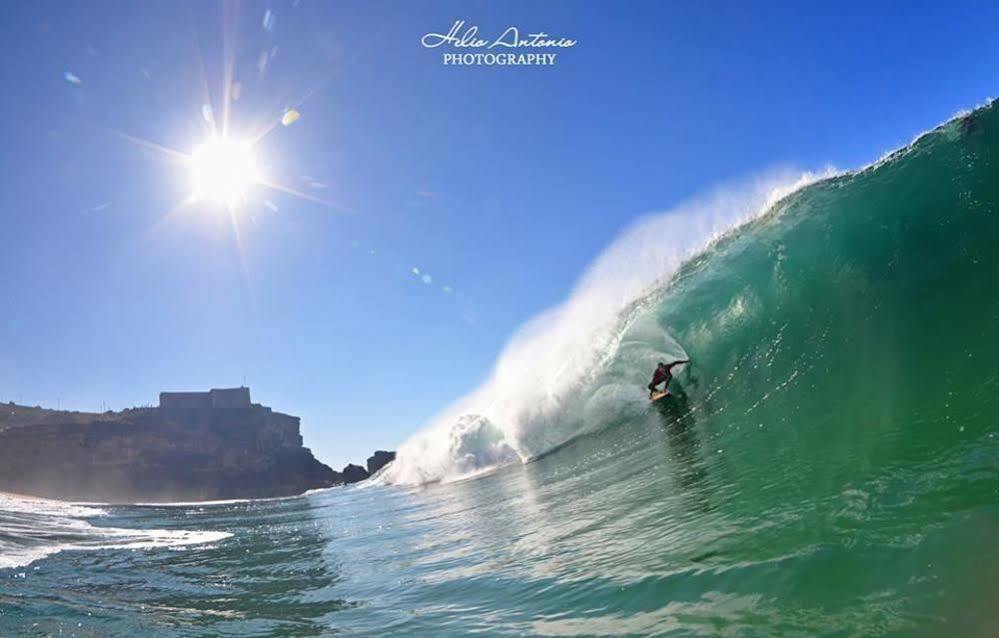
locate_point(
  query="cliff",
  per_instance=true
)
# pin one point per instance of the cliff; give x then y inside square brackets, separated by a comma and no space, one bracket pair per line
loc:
[378,460]
[204,452]
[354,474]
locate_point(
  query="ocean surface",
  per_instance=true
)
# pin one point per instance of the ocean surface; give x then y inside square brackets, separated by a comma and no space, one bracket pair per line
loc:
[827,466]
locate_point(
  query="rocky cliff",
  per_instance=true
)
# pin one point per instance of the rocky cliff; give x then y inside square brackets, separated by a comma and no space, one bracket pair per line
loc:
[157,454]
[354,474]
[379,459]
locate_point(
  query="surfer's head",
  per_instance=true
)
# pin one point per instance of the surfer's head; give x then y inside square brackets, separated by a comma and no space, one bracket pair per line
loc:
[662,365]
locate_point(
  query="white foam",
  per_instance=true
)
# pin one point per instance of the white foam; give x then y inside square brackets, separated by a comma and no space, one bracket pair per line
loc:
[45,507]
[33,528]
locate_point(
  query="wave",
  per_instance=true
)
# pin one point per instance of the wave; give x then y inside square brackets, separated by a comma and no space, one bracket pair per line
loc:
[698,277]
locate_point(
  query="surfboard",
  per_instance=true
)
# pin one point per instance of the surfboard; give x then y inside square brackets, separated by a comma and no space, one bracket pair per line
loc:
[658,395]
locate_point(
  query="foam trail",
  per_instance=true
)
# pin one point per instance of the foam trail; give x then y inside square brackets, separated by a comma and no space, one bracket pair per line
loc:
[531,404]
[33,528]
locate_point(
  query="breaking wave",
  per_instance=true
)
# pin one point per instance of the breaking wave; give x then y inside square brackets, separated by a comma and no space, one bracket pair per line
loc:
[551,382]
[723,280]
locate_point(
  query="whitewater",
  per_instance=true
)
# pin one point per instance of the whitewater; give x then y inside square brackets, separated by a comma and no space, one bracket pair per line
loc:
[527,407]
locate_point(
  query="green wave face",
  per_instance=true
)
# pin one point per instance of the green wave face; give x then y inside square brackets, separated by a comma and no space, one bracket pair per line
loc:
[835,435]
[857,325]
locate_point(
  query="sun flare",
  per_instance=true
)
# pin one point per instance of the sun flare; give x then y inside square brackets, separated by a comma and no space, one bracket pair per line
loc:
[224,171]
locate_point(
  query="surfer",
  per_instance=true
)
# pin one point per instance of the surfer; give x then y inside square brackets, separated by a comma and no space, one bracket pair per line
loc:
[663,373]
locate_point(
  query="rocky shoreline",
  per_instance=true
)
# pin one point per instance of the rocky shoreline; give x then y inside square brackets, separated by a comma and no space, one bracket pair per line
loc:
[193,447]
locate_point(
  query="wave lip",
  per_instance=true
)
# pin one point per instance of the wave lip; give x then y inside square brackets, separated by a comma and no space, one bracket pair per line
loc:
[549,385]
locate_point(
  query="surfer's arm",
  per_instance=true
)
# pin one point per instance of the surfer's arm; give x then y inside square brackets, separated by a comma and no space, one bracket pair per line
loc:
[676,363]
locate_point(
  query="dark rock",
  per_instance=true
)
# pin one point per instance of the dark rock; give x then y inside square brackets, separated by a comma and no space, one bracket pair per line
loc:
[354,473]
[157,454]
[379,459]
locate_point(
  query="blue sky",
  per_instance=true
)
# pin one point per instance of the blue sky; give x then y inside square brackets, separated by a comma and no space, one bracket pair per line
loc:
[501,183]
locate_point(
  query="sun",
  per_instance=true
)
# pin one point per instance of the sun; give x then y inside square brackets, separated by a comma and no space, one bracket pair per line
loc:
[224,171]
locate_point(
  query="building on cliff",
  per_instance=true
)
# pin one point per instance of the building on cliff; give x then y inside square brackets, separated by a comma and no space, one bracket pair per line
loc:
[233,406]
[215,398]
[195,446]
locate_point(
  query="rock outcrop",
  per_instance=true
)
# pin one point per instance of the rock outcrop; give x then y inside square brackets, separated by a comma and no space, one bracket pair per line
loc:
[354,473]
[227,448]
[379,459]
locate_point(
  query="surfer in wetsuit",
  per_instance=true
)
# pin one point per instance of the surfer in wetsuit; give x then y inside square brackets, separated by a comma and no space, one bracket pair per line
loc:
[663,373]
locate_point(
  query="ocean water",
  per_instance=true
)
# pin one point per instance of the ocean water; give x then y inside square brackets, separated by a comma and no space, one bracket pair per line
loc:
[827,466]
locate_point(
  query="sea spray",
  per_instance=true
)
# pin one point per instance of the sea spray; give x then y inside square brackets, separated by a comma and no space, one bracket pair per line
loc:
[547,387]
